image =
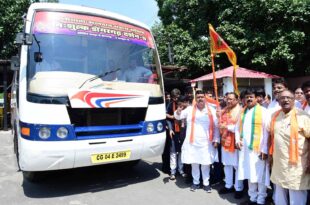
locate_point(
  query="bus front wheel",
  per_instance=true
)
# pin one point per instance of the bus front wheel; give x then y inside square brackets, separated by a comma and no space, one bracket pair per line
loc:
[33,176]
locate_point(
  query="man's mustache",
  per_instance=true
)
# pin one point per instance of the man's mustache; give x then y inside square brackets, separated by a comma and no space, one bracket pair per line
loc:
[249,101]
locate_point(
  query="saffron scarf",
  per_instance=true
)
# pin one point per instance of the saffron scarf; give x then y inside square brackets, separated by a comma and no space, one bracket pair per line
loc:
[211,123]
[304,105]
[256,127]
[176,123]
[293,147]
[229,117]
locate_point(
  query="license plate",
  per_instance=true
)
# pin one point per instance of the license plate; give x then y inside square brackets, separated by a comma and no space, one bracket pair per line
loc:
[110,156]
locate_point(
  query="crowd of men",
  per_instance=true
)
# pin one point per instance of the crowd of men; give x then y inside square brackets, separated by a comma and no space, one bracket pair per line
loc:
[266,143]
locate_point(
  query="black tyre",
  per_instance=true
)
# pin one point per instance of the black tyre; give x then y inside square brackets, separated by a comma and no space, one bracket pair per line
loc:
[33,176]
[130,164]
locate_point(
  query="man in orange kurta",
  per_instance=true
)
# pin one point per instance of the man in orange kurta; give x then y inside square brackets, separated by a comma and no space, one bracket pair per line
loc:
[228,120]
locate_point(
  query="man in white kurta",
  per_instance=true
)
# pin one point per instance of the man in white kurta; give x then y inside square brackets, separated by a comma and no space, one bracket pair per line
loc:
[289,172]
[200,151]
[252,164]
[228,120]
[278,86]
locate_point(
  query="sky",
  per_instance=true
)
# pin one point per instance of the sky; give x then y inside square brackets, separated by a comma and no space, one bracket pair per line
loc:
[142,10]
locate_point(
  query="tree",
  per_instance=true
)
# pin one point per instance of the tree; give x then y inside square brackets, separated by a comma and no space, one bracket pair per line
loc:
[186,51]
[11,22]
[271,36]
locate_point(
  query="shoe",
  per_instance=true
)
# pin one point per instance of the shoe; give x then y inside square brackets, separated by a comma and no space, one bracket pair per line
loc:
[226,190]
[194,187]
[238,194]
[207,188]
[184,175]
[172,177]
[248,202]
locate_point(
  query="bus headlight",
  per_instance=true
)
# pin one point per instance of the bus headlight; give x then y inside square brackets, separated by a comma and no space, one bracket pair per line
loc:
[44,132]
[160,127]
[150,127]
[62,132]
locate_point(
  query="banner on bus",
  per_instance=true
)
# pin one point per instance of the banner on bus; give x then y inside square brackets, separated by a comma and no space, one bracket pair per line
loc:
[78,24]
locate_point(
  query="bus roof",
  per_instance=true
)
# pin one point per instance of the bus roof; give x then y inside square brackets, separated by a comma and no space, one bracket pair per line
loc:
[85,10]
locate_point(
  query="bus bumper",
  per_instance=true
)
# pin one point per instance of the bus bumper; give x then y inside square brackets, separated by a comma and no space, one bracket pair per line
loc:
[51,155]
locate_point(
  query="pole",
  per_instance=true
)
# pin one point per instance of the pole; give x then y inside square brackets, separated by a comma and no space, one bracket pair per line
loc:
[214,78]
[5,99]
[235,83]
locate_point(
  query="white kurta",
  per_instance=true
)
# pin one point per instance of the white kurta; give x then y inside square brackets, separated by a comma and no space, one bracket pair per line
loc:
[201,151]
[250,166]
[230,158]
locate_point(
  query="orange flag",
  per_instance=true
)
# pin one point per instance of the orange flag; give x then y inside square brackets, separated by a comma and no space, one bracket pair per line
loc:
[218,45]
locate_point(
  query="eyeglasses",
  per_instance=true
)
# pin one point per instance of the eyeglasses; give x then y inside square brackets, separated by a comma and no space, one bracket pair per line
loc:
[299,93]
[286,97]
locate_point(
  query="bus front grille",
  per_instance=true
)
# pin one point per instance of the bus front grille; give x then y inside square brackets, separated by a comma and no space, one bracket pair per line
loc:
[94,132]
[84,117]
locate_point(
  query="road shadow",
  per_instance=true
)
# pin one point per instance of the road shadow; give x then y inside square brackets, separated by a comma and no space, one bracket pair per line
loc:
[89,179]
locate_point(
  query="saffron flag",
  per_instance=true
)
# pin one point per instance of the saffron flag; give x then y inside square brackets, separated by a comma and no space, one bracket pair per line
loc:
[218,45]
[213,103]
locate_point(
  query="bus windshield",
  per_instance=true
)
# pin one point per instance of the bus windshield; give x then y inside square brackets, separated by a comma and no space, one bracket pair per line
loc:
[105,52]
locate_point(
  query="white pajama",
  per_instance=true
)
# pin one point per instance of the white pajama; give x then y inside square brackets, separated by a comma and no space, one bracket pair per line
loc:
[176,162]
[229,175]
[257,192]
[296,197]
[250,166]
[205,171]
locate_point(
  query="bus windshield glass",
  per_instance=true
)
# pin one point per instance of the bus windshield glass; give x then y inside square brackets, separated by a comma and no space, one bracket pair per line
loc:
[80,51]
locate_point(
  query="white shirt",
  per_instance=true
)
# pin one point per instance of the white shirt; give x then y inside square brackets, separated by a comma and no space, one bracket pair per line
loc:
[201,151]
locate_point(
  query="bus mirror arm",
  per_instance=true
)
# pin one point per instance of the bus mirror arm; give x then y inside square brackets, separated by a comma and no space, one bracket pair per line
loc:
[23,39]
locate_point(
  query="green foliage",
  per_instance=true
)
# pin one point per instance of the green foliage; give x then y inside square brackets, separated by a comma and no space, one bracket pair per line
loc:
[267,35]
[186,51]
[11,22]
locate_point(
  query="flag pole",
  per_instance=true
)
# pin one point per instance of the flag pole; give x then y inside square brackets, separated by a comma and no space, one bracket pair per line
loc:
[218,109]
[235,82]
[214,77]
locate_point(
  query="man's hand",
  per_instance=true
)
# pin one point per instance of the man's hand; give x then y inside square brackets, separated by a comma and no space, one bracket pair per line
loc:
[215,144]
[179,109]
[218,112]
[239,145]
[170,116]
[270,160]
[171,133]
[223,126]
[263,156]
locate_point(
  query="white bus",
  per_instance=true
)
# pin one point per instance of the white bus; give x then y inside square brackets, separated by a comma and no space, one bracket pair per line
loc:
[87,90]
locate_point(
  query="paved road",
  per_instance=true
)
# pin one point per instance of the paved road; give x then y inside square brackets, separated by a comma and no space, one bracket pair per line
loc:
[108,185]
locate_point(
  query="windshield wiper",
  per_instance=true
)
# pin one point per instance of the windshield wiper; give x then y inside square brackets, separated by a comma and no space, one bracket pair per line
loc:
[99,76]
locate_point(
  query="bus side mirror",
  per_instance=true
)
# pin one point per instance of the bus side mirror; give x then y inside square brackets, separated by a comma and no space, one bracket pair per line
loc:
[15,63]
[23,39]
[38,57]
